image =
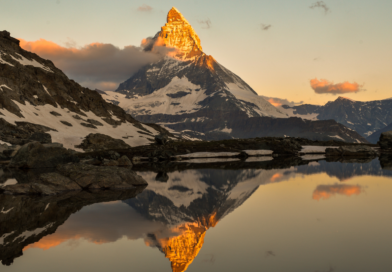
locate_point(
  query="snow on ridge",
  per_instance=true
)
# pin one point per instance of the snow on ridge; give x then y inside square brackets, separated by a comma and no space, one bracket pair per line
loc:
[3,61]
[9,182]
[71,136]
[24,61]
[159,103]
[5,86]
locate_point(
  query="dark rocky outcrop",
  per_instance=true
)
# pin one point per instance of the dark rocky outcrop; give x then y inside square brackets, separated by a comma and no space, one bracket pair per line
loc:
[351,151]
[161,139]
[385,141]
[42,137]
[36,155]
[99,141]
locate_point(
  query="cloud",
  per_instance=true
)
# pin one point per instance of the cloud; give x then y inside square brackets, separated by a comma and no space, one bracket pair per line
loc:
[323,86]
[320,4]
[327,191]
[145,8]
[96,65]
[281,101]
[206,24]
[265,27]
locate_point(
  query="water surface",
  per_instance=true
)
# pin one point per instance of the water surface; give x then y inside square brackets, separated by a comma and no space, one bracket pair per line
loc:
[325,216]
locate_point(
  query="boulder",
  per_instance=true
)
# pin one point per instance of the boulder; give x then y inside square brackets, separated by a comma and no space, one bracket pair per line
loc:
[385,141]
[42,137]
[35,155]
[161,139]
[351,151]
[97,141]
[124,161]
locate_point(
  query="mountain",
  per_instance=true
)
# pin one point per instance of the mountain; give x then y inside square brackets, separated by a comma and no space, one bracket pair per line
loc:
[35,95]
[376,135]
[191,93]
[363,117]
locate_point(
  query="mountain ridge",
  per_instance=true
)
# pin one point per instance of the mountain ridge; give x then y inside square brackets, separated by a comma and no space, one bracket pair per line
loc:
[35,91]
[193,95]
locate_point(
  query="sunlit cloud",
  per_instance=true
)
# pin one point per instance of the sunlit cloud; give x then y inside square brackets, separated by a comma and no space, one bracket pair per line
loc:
[145,8]
[96,65]
[320,4]
[327,191]
[206,24]
[265,27]
[324,86]
[280,101]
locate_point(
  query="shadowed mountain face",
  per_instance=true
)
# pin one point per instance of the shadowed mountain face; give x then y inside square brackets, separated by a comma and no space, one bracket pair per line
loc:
[34,91]
[364,117]
[193,94]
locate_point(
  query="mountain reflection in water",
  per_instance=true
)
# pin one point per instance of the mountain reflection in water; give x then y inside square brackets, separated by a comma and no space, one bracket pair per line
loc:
[173,216]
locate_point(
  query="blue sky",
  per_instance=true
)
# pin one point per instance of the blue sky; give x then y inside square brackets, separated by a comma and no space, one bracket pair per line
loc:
[350,42]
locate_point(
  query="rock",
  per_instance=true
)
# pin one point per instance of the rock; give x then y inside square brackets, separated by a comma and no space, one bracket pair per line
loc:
[161,139]
[110,163]
[385,141]
[55,113]
[53,145]
[113,155]
[42,137]
[77,117]
[94,122]
[351,151]
[3,147]
[124,161]
[88,125]
[101,177]
[97,141]
[11,151]
[66,123]
[35,155]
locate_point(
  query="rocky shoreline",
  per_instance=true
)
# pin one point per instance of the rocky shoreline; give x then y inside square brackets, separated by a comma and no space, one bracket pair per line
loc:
[45,168]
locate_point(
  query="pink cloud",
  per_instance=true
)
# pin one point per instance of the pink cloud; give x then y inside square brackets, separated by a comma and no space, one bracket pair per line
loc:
[324,86]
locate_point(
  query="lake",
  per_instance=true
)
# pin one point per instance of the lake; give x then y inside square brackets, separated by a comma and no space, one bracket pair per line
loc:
[319,216]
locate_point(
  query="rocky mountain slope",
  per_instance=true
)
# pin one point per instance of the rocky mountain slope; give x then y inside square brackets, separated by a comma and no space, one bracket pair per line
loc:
[376,135]
[363,117]
[192,94]
[36,96]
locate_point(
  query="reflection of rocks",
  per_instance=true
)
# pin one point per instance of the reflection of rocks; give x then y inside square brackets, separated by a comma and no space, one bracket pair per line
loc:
[25,220]
[73,177]
[351,151]
[386,162]
[385,141]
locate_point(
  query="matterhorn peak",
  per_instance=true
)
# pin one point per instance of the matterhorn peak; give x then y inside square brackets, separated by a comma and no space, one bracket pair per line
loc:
[178,33]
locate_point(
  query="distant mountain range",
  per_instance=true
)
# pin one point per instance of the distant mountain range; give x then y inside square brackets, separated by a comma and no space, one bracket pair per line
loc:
[367,118]
[192,94]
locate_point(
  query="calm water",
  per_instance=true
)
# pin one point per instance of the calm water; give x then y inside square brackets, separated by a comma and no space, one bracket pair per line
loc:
[320,217]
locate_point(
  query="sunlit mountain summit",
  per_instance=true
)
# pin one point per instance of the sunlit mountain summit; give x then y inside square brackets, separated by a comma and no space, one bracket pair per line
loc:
[193,94]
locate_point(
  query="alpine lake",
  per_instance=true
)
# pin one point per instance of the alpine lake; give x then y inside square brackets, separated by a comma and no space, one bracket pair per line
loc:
[257,214]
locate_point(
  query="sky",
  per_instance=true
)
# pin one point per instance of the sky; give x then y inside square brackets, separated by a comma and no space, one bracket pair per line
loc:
[304,51]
